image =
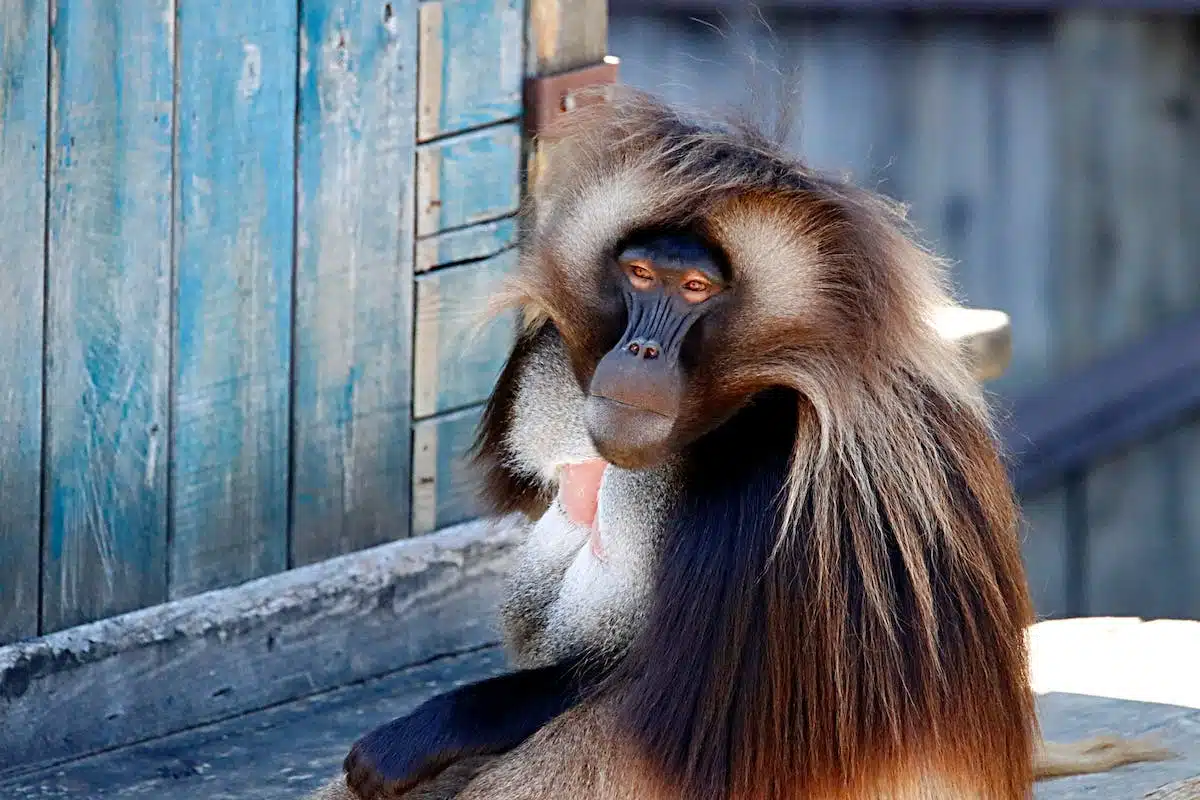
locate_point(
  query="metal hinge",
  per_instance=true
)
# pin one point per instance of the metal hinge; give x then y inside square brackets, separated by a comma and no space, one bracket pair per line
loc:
[548,97]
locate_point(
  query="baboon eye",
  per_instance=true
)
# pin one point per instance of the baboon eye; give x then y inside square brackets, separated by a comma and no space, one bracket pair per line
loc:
[696,288]
[640,275]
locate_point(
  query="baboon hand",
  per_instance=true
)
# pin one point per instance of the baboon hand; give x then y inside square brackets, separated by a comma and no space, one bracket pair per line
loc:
[392,759]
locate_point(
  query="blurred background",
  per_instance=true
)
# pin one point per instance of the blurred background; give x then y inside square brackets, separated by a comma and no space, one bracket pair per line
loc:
[1053,153]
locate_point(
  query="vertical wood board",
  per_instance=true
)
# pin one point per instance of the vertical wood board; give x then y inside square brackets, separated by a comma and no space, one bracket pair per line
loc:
[467,179]
[234,233]
[353,324]
[1025,190]
[443,488]
[465,244]
[565,35]
[1129,148]
[458,355]
[23,86]
[849,115]
[471,64]
[108,310]
[947,172]
[692,62]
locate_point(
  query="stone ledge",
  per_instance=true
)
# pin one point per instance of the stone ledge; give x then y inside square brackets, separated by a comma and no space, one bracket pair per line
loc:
[204,658]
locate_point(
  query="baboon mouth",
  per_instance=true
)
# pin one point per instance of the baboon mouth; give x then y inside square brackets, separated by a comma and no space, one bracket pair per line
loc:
[579,494]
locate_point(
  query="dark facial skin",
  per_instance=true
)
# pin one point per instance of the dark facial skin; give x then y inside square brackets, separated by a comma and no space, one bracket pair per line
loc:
[669,283]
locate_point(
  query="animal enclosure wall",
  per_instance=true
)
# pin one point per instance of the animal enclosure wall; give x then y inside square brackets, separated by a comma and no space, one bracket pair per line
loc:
[241,244]
[1053,156]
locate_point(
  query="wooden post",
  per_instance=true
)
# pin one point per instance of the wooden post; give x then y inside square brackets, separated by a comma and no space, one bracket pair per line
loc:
[563,35]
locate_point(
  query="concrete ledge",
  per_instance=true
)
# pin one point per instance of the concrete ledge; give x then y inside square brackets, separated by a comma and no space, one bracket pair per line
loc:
[171,667]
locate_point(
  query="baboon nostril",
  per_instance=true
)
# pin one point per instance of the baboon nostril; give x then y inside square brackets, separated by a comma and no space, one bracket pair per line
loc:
[634,348]
[651,352]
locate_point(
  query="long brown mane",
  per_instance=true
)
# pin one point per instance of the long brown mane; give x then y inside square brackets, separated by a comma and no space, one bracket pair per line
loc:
[841,605]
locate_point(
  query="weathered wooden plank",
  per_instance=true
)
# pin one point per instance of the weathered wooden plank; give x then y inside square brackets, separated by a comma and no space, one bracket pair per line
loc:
[1130,248]
[457,357]
[444,490]
[467,179]
[1023,185]
[208,657]
[1129,146]
[280,753]
[562,35]
[108,308]
[353,330]
[687,61]
[947,171]
[234,229]
[465,244]
[471,64]
[23,85]
[849,104]
[566,35]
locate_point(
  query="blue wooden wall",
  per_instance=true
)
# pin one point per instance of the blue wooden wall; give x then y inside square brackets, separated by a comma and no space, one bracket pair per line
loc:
[242,247]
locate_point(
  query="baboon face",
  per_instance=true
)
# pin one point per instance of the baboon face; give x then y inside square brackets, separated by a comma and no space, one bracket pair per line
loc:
[663,292]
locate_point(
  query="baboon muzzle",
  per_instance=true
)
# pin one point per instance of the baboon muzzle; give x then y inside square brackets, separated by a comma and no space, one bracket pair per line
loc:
[637,389]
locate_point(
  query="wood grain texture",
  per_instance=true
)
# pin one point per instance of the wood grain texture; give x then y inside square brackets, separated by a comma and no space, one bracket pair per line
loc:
[353,329]
[465,244]
[1129,146]
[444,489]
[467,179]
[946,174]
[850,100]
[23,85]
[108,306]
[471,67]
[234,234]
[565,35]
[1130,152]
[220,654]
[457,356]
[280,753]
[1023,183]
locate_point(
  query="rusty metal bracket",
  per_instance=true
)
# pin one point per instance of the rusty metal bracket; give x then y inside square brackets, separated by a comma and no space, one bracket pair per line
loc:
[548,97]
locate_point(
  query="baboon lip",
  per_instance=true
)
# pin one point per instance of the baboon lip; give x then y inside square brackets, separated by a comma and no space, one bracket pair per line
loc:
[579,493]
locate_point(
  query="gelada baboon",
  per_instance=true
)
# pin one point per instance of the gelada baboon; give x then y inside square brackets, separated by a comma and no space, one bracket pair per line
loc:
[772,549]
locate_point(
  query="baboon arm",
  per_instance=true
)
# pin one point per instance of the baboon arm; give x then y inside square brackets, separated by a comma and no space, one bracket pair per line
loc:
[484,718]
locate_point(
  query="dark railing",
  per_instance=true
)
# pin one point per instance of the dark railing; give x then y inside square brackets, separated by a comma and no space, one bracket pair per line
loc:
[1119,400]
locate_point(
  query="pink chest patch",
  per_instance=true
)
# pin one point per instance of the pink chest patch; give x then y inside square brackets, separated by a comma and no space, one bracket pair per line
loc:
[579,493]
